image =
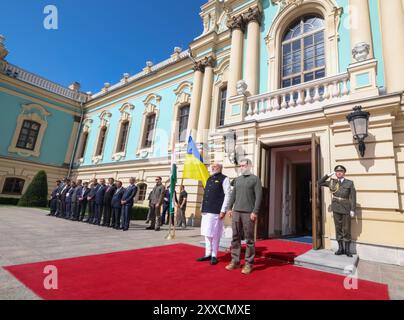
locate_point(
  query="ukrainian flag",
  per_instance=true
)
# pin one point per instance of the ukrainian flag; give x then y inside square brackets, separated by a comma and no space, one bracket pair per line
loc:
[194,167]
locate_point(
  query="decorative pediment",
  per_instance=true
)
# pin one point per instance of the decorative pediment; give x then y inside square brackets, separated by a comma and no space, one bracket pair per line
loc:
[183,93]
[105,118]
[151,103]
[126,111]
[35,108]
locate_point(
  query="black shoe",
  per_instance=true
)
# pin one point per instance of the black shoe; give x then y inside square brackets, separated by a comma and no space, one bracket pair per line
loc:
[204,259]
[149,228]
[158,229]
[348,249]
[125,230]
[214,261]
[341,250]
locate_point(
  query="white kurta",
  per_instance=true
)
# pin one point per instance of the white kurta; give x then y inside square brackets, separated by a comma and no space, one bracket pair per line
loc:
[212,225]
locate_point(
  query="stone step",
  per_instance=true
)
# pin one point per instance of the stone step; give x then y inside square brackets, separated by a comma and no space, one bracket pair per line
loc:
[327,261]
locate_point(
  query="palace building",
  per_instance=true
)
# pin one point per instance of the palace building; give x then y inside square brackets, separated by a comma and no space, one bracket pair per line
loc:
[271,80]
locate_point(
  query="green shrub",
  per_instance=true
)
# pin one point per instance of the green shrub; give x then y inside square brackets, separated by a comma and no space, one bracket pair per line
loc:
[37,192]
[9,201]
[139,213]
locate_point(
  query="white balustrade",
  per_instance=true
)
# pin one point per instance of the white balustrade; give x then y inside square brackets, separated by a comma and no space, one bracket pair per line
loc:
[295,99]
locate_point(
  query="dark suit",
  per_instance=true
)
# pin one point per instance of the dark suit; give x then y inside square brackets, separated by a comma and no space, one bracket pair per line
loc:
[58,200]
[344,201]
[91,203]
[99,203]
[68,201]
[63,196]
[75,202]
[128,196]
[109,193]
[54,201]
[82,202]
[117,207]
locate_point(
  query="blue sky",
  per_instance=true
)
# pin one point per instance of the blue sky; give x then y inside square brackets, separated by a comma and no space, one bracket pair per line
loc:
[97,40]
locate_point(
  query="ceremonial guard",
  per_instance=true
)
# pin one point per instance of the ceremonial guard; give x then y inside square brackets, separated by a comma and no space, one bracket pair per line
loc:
[214,207]
[343,206]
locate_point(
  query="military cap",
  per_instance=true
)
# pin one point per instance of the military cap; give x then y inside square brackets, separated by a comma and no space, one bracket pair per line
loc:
[340,168]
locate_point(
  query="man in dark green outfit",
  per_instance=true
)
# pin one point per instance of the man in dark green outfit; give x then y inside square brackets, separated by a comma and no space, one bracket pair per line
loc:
[343,206]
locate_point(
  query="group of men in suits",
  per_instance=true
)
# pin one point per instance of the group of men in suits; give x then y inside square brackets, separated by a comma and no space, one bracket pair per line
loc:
[108,204]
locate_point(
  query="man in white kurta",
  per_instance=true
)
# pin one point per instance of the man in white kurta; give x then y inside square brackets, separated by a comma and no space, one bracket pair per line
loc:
[214,207]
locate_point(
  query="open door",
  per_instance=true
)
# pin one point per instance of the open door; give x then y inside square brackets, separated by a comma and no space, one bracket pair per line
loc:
[262,227]
[316,194]
[287,199]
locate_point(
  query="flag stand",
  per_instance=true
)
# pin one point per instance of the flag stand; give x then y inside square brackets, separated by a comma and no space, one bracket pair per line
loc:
[171,231]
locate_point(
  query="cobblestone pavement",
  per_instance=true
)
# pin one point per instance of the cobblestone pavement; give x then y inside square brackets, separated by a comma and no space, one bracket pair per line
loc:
[28,236]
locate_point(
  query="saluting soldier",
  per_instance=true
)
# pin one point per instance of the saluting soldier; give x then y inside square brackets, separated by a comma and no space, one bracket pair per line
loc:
[343,206]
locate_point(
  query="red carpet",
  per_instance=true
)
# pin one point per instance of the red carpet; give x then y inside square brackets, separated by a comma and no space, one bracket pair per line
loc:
[171,273]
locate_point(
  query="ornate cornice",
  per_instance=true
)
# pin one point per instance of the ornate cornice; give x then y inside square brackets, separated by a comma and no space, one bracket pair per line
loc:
[199,66]
[252,15]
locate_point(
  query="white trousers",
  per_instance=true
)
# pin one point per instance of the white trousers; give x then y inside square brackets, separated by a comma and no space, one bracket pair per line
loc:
[212,228]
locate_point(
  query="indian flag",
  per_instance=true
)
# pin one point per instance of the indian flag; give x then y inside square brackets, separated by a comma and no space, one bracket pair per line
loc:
[173,178]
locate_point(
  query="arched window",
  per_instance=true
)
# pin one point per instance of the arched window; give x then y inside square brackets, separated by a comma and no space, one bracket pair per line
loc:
[83,145]
[101,141]
[142,189]
[13,186]
[222,106]
[303,51]
[183,123]
[123,136]
[28,135]
[149,130]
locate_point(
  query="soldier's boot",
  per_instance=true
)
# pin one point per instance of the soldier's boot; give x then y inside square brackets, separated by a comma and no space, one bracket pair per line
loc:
[340,251]
[348,249]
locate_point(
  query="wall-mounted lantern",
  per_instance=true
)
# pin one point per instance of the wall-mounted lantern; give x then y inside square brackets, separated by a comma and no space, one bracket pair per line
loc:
[359,121]
[230,141]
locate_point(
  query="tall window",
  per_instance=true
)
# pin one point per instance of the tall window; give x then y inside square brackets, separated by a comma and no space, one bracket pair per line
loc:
[150,124]
[303,54]
[183,123]
[142,187]
[84,145]
[28,135]
[222,107]
[101,141]
[13,186]
[123,136]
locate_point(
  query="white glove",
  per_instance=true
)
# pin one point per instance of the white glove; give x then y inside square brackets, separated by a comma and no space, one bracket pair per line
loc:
[352,214]
[331,174]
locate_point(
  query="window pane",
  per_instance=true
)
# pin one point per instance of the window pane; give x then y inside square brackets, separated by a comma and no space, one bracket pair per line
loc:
[320,74]
[319,37]
[296,45]
[286,83]
[308,41]
[309,77]
[286,48]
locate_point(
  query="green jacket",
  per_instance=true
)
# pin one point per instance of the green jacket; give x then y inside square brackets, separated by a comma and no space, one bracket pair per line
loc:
[346,191]
[247,194]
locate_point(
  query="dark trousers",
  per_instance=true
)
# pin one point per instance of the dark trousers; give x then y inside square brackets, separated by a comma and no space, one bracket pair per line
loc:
[62,208]
[58,207]
[125,219]
[75,213]
[343,226]
[107,215]
[68,212]
[241,223]
[98,213]
[182,220]
[166,211]
[82,207]
[116,217]
[53,206]
[91,211]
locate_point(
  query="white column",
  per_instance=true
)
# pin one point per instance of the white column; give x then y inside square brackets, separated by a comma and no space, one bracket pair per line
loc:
[195,99]
[236,54]
[392,28]
[206,102]
[361,31]
[253,20]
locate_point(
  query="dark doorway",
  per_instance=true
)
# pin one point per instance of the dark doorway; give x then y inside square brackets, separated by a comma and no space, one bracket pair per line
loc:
[303,204]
